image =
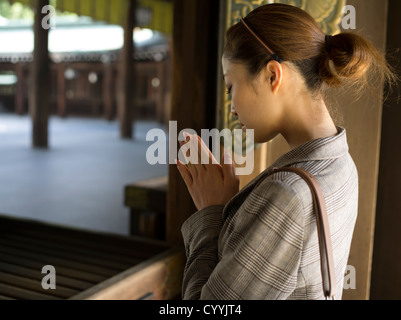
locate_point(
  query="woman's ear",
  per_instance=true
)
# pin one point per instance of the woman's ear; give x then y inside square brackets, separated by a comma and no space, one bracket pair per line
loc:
[275,74]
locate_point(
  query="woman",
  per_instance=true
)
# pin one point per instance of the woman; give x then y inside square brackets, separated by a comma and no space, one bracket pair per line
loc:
[261,242]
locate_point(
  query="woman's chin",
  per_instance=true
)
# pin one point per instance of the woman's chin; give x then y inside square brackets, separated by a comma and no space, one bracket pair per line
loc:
[263,139]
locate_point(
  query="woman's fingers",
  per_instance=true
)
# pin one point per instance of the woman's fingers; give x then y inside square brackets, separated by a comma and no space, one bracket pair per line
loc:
[185,173]
[186,151]
[205,154]
[192,150]
[230,161]
[227,165]
[200,154]
[209,184]
[200,159]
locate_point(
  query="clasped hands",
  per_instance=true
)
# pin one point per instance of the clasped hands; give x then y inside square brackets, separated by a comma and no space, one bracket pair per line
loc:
[211,183]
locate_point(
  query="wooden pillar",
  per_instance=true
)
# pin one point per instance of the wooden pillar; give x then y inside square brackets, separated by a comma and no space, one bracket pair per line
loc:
[161,66]
[108,91]
[126,76]
[195,65]
[20,96]
[60,92]
[362,119]
[40,80]
[386,275]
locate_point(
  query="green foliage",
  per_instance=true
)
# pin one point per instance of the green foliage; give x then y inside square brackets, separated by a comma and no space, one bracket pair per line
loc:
[15,11]
[21,11]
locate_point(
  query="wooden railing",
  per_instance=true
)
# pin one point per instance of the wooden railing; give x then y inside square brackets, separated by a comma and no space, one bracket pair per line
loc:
[88,265]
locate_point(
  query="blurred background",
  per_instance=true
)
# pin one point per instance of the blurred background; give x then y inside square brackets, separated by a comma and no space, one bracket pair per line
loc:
[77,177]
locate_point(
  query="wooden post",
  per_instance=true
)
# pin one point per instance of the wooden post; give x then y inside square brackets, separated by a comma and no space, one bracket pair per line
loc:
[20,96]
[195,65]
[40,81]
[126,76]
[60,92]
[108,91]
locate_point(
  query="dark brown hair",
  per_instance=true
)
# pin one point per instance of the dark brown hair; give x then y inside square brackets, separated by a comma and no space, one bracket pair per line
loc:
[296,37]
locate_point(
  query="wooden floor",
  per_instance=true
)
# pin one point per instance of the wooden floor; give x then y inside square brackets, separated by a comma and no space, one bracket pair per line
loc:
[79,181]
[83,260]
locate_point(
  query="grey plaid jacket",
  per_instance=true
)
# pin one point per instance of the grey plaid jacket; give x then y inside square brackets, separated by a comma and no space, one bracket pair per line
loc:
[263,244]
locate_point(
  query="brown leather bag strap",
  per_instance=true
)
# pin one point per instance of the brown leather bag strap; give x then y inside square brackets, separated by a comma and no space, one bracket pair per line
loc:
[326,251]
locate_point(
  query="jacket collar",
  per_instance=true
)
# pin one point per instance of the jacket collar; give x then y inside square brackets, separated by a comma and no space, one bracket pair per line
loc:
[329,148]
[321,149]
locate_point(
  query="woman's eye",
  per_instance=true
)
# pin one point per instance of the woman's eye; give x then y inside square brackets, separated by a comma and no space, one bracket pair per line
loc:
[229,90]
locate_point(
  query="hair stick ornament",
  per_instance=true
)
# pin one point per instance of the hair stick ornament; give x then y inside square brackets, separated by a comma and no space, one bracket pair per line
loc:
[270,51]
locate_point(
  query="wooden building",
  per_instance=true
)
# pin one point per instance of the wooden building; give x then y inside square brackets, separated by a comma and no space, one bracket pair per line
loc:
[198,102]
[84,82]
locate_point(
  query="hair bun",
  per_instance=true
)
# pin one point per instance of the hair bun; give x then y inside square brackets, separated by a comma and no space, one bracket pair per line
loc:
[350,59]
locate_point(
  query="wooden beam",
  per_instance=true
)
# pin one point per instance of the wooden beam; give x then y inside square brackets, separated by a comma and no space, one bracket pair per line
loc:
[40,81]
[195,65]
[126,76]
[159,278]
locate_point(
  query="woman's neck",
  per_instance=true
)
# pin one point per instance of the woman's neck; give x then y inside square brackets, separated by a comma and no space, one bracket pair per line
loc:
[308,120]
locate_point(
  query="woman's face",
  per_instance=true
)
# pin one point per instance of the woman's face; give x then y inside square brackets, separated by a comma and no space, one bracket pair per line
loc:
[253,100]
